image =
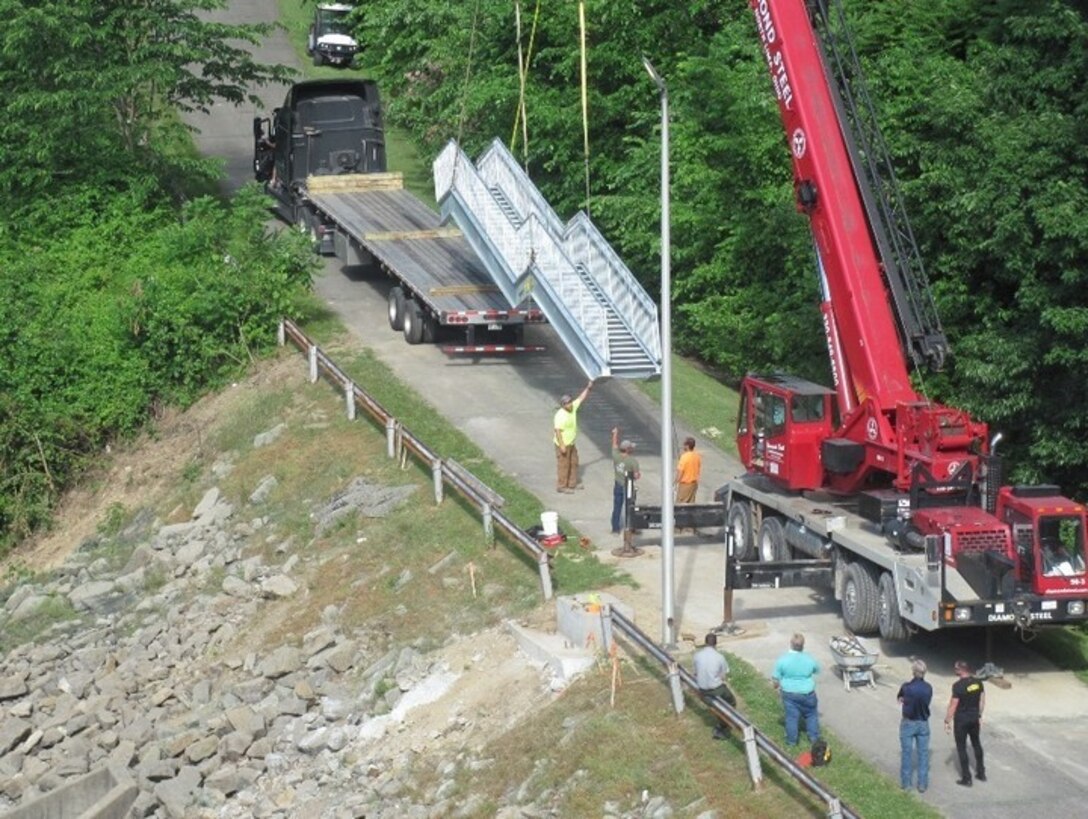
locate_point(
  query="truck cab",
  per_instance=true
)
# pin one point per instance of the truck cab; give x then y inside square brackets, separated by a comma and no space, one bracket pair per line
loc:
[330,40]
[324,127]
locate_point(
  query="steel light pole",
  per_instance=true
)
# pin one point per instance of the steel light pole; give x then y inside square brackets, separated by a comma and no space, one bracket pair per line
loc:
[667,525]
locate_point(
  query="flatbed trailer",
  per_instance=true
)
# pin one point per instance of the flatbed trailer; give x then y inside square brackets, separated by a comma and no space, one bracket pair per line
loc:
[321,156]
[369,218]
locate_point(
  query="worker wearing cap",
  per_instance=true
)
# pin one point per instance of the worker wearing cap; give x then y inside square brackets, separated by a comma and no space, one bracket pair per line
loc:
[624,463]
[565,432]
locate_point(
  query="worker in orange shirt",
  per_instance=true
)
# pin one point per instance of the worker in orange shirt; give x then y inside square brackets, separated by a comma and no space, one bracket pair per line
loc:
[688,470]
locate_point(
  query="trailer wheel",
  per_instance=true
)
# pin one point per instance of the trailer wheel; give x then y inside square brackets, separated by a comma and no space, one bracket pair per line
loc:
[772,540]
[430,328]
[740,521]
[396,308]
[413,322]
[892,625]
[860,603]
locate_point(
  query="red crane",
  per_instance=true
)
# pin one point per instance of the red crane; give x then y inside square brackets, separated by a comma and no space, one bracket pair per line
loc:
[921,471]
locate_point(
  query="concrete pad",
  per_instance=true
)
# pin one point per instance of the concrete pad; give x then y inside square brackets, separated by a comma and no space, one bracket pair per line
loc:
[555,651]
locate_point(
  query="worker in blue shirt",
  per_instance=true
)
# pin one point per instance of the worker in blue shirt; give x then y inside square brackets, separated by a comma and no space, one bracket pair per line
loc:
[915,697]
[794,676]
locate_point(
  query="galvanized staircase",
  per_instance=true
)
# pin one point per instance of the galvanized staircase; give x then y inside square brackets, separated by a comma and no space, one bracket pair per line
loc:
[598,308]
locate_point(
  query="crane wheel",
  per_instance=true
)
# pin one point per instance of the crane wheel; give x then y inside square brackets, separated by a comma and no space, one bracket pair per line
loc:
[740,522]
[772,541]
[892,625]
[860,603]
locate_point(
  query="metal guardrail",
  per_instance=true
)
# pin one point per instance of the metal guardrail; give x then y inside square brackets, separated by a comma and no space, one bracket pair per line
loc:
[754,739]
[400,442]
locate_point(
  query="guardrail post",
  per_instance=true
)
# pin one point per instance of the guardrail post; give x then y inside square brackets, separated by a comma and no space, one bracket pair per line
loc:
[349,396]
[436,476]
[489,524]
[674,686]
[391,437]
[606,628]
[313,363]
[755,769]
[545,575]
[834,809]
[281,334]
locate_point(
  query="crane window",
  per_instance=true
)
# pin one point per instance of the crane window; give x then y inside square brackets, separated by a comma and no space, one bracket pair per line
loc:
[1062,546]
[775,406]
[806,408]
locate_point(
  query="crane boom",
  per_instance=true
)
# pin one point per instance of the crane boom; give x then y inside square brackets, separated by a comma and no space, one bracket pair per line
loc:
[879,315]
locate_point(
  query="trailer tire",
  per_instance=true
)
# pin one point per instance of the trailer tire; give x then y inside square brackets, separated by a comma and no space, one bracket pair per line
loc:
[396,308]
[772,540]
[892,625]
[740,521]
[430,328]
[860,603]
[413,322]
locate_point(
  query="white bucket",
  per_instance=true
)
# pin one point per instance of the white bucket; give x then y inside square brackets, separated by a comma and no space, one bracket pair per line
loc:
[549,521]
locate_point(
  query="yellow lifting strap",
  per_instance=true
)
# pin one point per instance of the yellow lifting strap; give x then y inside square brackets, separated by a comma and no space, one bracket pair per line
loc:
[468,78]
[585,95]
[521,114]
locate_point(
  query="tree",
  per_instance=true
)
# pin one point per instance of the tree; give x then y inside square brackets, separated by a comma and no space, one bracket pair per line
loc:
[92,86]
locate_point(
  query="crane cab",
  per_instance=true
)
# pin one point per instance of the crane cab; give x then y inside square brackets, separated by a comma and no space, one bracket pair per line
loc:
[781,425]
[1048,533]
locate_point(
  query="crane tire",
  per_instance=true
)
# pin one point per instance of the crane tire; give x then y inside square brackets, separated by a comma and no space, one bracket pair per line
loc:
[772,540]
[740,521]
[860,603]
[892,625]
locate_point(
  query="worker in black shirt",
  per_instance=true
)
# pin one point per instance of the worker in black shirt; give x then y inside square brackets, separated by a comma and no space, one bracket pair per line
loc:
[964,718]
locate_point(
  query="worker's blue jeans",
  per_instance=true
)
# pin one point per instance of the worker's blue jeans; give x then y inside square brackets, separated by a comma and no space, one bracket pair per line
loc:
[798,706]
[618,497]
[914,733]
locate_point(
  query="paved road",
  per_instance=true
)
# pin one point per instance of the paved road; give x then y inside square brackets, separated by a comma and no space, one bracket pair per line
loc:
[1035,732]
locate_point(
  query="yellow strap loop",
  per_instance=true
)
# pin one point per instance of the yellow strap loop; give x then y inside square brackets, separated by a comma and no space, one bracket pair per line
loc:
[585,95]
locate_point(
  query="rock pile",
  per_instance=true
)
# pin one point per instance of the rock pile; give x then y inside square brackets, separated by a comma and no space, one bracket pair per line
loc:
[141,681]
[149,678]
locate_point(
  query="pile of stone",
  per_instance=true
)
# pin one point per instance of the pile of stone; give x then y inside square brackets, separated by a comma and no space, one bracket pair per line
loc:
[149,679]
[142,681]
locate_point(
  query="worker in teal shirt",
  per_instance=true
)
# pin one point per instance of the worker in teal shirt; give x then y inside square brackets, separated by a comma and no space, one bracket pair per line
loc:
[794,676]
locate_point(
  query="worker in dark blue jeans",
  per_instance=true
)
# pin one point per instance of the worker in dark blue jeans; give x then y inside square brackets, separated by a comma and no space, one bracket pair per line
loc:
[915,698]
[794,676]
[623,464]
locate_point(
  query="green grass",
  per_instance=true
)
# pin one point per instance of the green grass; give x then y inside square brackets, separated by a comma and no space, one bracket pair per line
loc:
[55,609]
[701,401]
[575,570]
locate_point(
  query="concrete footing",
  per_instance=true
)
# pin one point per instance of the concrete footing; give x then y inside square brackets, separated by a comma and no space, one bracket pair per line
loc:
[105,793]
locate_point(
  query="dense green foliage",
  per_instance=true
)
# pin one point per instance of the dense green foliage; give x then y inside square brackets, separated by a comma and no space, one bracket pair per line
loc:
[118,298]
[983,105]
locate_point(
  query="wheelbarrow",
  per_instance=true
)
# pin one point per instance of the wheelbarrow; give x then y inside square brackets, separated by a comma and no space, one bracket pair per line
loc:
[854,660]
